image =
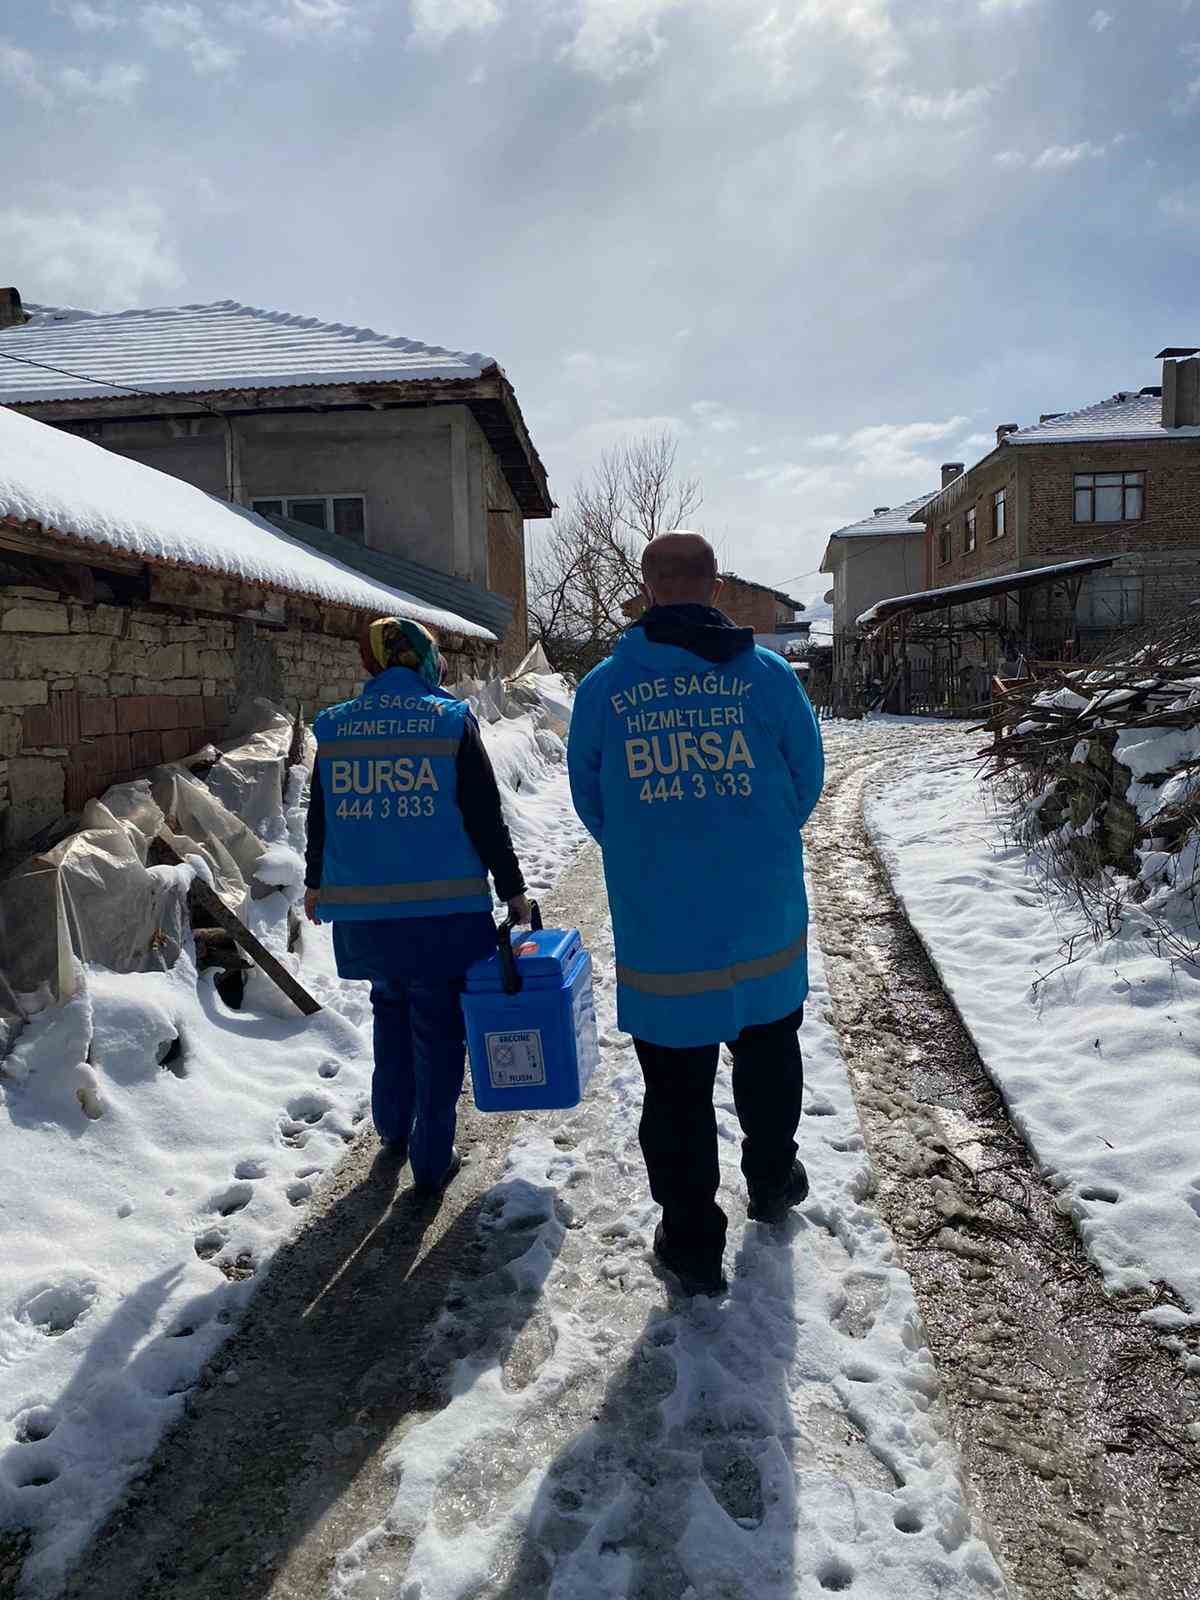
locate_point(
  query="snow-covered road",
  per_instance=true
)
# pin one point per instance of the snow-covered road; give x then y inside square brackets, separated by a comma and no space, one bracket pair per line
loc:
[786,1441]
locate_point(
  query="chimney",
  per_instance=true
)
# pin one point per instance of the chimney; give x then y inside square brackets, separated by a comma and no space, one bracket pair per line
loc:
[1181,392]
[11,313]
[1005,428]
[879,510]
[950,471]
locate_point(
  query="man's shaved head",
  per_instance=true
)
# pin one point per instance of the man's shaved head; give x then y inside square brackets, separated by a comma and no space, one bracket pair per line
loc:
[680,568]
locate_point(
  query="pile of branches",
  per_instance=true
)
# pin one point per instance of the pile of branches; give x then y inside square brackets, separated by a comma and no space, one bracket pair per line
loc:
[1113,836]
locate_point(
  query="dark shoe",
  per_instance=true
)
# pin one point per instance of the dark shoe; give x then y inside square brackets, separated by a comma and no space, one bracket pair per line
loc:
[697,1273]
[774,1205]
[429,1191]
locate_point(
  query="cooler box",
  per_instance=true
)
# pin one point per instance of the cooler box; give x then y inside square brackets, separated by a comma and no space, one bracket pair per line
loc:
[533,1049]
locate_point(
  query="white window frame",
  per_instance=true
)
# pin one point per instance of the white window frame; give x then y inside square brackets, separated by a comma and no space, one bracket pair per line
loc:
[346,494]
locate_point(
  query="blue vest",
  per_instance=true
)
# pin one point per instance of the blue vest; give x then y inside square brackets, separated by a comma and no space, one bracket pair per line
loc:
[696,779]
[395,845]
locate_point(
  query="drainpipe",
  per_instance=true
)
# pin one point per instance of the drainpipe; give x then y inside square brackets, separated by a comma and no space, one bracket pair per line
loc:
[235,488]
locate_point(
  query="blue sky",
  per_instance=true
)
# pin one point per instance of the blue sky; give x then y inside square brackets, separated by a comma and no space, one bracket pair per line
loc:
[830,243]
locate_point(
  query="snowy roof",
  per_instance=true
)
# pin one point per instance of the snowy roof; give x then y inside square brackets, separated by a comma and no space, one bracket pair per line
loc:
[201,348]
[895,519]
[1123,416]
[71,487]
[979,588]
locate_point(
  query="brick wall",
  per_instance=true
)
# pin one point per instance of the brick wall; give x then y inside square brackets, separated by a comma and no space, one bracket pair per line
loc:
[92,694]
[990,556]
[751,607]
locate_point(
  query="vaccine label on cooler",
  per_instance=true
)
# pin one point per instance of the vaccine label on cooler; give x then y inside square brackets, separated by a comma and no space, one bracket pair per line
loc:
[515,1060]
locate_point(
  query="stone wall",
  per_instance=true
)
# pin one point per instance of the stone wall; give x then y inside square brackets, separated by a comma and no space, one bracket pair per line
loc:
[91,694]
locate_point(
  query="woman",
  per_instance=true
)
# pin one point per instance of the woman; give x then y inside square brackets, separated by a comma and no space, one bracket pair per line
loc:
[404,824]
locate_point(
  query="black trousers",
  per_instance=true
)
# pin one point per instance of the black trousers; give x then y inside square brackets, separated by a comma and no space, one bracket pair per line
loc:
[678,1130]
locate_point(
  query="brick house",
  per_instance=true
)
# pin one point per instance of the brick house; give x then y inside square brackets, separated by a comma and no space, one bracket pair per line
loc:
[137,614]
[750,605]
[1120,479]
[384,445]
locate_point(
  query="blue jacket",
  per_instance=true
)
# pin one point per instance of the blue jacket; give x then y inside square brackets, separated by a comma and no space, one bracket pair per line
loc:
[395,843]
[695,759]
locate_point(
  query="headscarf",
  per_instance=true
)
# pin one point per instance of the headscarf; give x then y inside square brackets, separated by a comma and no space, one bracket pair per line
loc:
[401,642]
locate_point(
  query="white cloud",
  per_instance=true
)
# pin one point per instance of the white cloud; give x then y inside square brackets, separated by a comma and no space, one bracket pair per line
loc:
[1001,8]
[714,416]
[301,19]
[102,251]
[1100,20]
[436,20]
[91,19]
[890,453]
[116,82]
[617,37]
[182,27]
[1057,156]
[951,106]
[780,43]
[1181,205]
[1009,158]
[587,366]
[21,71]
[587,442]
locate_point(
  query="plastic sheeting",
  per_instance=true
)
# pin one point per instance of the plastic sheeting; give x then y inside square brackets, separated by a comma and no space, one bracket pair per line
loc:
[94,898]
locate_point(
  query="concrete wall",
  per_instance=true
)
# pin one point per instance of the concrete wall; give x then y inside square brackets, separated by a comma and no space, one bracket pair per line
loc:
[869,569]
[429,476]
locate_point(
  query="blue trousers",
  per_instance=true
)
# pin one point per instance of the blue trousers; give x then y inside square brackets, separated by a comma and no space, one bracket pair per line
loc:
[420,1056]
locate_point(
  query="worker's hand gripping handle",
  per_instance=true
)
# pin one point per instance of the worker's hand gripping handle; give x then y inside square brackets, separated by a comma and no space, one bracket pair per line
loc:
[510,977]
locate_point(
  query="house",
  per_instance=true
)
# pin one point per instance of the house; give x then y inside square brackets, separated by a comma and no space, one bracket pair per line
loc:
[750,605]
[1119,479]
[137,613]
[398,448]
[868,560]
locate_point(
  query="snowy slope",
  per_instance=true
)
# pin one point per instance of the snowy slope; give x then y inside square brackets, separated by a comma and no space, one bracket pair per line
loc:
[1098,1063]
[140,1197]
[78,488]
[783,1442]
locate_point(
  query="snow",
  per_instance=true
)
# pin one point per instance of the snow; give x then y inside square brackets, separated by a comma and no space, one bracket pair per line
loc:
[1096,1059]
[782,1441]
[156,1148]
[76,488]
[202,348]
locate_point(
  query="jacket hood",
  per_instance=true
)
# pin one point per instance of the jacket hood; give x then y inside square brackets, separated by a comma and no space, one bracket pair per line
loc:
[700,630]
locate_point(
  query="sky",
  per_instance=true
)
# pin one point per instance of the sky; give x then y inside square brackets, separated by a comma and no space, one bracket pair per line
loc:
[829,244]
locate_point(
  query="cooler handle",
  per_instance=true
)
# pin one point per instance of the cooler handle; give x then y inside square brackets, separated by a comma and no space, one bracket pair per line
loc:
[510,977]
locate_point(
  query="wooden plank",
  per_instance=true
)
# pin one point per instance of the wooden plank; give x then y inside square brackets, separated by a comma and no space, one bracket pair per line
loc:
[213,906]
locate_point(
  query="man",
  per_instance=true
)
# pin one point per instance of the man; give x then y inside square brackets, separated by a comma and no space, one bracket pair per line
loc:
[695,759]
[404,824]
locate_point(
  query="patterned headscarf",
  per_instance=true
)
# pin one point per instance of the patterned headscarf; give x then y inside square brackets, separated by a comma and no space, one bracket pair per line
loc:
[401,642]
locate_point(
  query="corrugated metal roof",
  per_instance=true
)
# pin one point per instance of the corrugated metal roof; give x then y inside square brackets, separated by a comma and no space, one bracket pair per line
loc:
[192,349]
[435,588]
[956,594]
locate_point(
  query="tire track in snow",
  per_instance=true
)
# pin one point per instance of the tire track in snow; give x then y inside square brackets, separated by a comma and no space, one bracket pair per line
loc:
[1045,1375]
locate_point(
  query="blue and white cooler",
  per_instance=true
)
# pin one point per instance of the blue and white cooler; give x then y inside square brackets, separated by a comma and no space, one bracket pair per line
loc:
[531,1020]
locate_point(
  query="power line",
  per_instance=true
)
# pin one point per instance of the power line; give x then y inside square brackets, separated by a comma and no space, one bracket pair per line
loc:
[106,383]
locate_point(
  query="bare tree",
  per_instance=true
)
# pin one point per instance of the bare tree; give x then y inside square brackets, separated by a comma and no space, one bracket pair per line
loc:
[590,565]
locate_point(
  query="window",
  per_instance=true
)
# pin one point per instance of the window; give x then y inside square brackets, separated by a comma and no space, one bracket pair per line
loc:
[944,544]
[999,509]
[969,532]
[1109,496]
[336,513]
[1108,600]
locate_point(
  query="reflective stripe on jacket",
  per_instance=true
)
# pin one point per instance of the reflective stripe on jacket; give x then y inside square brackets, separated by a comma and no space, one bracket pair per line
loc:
[395,843]
[695,778]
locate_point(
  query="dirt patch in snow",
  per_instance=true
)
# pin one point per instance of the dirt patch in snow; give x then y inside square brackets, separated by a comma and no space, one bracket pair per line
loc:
[1070,1414]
